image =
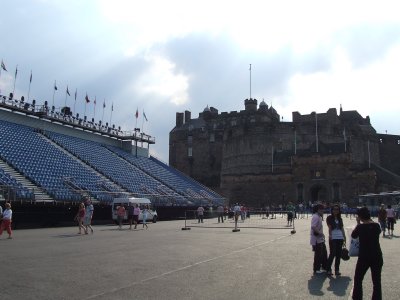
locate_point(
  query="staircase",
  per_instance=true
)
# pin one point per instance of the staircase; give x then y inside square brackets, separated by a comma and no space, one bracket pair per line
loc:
[40,194]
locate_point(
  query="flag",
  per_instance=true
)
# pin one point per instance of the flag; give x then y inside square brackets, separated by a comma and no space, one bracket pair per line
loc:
[55,85]
[144,116]
[104,103]
[250,68]
[94,100]
[3,66]
[16,71]
[30,79]
[137,113]
[76,93]
[112,106]
[87,99]
[68,91]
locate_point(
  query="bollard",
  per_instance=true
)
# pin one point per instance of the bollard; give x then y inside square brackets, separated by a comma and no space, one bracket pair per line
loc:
[185,228]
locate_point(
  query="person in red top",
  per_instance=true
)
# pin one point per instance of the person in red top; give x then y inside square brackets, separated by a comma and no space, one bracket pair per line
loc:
[6,220]
[80,216]
[120,215]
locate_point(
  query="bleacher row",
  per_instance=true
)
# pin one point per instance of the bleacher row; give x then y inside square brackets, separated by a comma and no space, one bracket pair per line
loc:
[66,167]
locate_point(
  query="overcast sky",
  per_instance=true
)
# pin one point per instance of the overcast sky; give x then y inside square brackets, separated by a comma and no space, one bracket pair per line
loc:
[168,56]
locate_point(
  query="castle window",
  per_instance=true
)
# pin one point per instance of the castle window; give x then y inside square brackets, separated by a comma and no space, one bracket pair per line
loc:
[190,127]
[381,141]
[398,142]
[233,122]
[190,151]
[212,137]
[190,139]
[215,126]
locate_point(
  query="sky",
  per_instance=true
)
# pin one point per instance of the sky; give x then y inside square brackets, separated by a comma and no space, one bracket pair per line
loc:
[163,57]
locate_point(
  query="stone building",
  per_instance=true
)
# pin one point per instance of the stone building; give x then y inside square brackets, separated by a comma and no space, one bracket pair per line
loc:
[253,157]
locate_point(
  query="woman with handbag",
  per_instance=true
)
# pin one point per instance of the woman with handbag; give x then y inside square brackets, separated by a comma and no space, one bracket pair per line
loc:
[369,256]
[337,238]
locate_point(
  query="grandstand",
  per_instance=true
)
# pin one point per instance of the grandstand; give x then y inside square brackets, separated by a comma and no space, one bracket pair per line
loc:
[52,159]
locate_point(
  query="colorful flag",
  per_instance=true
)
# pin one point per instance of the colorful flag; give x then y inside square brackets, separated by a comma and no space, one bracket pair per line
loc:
[87,99]
[144,115]
[30,79]
[137,113]
[3,66]
[55,86]
[68,91]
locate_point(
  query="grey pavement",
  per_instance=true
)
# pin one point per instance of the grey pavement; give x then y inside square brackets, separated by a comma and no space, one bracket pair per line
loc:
[165,262]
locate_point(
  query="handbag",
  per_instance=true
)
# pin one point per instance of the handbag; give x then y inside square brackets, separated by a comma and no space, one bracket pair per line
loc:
[345,253]
[354,247]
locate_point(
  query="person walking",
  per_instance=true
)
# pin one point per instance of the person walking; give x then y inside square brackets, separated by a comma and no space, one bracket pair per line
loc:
[6,220]
[200,214]
[136,213]
[145,213]
[382,218]
[130,214]
[370,254]
[80,217]
[120,215]
[317,240]
[290,212]
[220,211]
[337,238]
[391,219]
[88,216]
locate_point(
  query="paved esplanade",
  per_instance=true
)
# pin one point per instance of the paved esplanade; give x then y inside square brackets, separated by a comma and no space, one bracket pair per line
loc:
[165,262]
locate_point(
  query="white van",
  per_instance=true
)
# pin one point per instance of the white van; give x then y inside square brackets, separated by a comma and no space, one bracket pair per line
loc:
[142,202]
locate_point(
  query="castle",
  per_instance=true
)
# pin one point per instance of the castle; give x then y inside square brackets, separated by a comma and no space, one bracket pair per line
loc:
[253,157]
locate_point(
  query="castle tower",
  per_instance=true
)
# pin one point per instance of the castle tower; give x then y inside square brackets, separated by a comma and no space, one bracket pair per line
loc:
[250,104]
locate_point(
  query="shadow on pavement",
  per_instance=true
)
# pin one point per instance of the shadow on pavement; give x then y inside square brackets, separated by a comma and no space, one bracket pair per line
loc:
[315,284]
[339,285]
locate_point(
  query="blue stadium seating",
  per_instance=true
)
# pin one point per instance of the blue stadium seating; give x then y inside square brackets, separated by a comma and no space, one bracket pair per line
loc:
[68,172]
[59,174]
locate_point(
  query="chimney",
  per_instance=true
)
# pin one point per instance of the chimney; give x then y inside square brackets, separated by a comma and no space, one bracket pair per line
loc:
[179,119]
[188,116]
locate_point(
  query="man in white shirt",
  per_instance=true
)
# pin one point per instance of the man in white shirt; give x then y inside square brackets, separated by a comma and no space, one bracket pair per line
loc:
[200,214]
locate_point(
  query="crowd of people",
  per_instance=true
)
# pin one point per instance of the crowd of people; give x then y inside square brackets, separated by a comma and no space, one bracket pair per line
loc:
[366,233]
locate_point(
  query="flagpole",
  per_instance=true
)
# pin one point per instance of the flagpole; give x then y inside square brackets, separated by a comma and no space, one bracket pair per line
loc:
[272,159]
[66,94]
[250,80]
[102,117]
[94,108]
[54,92]
[15,78]
[112,109]
[137,112]
[316,131]
[29,89]
[76,93]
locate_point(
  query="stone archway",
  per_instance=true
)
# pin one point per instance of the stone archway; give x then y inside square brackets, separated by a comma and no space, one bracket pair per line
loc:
[319,192]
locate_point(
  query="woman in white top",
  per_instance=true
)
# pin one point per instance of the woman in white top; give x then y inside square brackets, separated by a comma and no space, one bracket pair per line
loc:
[145,211]
[337,238]
[6,221]
[391,219]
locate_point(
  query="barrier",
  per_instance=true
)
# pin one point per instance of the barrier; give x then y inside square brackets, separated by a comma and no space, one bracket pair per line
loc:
[211,219]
